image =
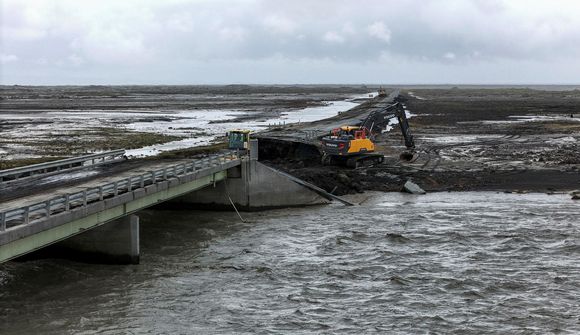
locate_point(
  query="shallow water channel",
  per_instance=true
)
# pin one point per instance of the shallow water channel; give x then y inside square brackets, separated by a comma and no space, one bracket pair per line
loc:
[439,263]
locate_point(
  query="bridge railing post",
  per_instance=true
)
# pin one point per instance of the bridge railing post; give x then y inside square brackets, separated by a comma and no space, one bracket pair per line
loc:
[129,184]
[2,221]
[84,197]
[67,202]
[115,188]
[26,215]
[47,208]
[100,193]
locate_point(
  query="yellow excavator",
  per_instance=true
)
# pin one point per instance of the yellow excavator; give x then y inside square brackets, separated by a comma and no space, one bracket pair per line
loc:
[353,146]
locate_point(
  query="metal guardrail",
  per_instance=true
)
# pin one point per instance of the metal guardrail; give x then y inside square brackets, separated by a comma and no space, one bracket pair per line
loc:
[59,165]
[28,214]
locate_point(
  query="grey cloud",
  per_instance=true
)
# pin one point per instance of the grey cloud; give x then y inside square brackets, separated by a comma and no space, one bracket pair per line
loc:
[200,40]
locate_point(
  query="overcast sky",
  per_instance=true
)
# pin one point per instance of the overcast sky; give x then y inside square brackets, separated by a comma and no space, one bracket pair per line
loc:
[268,41]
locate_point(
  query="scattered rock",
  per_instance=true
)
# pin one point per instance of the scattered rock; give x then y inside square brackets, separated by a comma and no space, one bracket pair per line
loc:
[412,188]
[343,178]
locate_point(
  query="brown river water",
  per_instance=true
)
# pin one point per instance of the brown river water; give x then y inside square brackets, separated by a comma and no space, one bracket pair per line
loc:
[443,263]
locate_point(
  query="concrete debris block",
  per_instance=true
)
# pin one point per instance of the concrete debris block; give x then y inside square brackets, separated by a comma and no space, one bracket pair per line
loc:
[343,178]
[413,188]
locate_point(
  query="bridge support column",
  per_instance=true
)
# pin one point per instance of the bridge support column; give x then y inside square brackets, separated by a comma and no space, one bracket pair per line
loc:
[251,187]
[116,242]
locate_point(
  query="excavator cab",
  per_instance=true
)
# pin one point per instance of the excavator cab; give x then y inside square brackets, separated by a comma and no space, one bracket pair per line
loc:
[350,132]
[239,139]
[348,140]
[348,144]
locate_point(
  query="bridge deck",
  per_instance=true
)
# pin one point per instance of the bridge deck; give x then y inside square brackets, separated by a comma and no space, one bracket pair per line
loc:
[28,192]
[29,222]
[48,183]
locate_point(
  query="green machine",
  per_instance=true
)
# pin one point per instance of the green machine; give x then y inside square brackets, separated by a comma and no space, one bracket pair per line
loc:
[239,139]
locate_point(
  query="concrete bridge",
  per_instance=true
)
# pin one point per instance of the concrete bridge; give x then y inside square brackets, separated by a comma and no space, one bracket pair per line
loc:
[96,215]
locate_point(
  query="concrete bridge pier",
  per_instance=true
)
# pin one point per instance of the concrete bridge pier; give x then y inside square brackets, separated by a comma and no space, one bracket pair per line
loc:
[116,242]
[251,186]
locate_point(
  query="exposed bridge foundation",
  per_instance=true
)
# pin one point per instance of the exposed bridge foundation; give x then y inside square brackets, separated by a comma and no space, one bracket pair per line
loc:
[116,242]
[251,186]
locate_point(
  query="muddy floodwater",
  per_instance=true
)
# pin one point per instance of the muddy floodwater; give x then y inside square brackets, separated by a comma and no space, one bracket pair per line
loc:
[441,263]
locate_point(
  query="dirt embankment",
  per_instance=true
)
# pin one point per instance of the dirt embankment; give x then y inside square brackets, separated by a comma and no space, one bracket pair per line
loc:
[469,139]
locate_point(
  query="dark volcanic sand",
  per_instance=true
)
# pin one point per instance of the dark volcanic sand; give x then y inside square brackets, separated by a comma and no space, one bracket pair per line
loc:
[168,98]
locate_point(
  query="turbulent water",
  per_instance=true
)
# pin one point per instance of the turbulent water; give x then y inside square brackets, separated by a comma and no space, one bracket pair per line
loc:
[438,264]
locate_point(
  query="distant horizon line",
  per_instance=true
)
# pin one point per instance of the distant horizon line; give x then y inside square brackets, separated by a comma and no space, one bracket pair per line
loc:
[390,85]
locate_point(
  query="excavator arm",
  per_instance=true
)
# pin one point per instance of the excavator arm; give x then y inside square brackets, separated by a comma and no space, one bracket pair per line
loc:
[405,129]
[381,117]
